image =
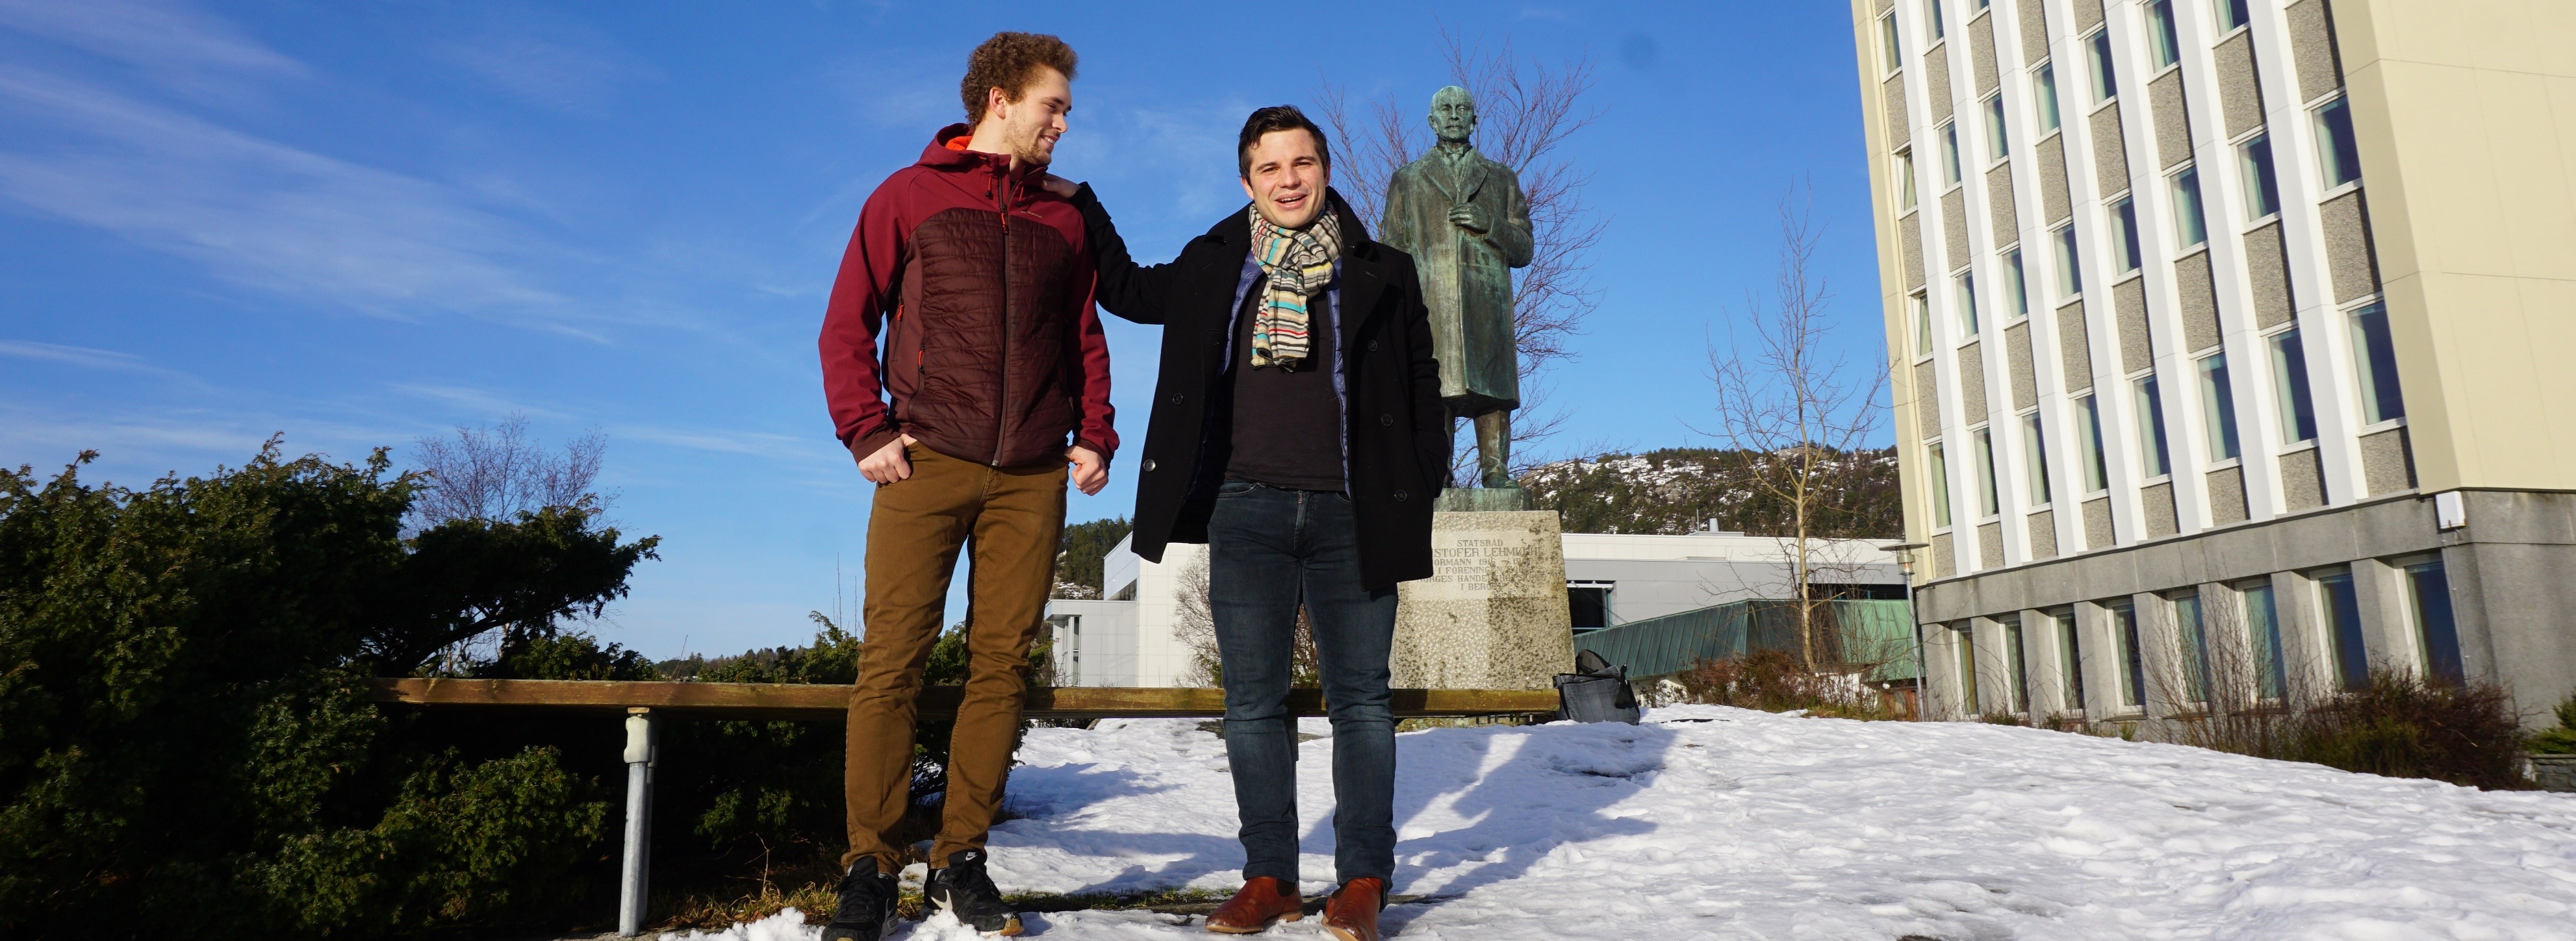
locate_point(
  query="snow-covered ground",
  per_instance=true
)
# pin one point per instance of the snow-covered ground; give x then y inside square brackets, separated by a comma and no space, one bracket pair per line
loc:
[1707,822]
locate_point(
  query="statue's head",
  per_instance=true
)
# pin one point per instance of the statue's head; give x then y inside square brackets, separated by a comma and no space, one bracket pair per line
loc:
[1453,115]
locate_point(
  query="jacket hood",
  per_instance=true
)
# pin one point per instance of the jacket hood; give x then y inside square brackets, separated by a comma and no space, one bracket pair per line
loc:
[940,156]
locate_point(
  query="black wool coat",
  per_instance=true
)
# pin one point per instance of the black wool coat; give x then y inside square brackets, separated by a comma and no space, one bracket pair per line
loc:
[1396,431]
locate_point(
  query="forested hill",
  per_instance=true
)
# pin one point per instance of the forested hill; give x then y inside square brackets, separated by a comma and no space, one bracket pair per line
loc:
[1678,490]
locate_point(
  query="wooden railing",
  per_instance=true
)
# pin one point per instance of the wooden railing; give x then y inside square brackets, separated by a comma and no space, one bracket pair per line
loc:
[824,702]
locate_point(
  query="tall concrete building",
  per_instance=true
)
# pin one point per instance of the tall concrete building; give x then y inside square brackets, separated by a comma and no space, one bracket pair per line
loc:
[2229,336]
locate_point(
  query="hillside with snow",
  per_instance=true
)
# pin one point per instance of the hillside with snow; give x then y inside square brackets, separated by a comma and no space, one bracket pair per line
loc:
[1709,822]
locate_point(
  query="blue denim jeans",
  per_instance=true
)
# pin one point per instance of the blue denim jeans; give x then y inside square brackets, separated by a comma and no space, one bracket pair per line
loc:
[1269,551]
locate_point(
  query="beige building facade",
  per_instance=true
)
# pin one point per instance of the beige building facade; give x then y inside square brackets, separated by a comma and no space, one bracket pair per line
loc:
[2233,344]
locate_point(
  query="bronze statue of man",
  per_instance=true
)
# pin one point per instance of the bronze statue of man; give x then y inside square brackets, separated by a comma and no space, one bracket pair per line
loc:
[1464,221]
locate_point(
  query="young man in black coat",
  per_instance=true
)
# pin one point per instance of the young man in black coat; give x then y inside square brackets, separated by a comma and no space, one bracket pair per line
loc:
[1298,431]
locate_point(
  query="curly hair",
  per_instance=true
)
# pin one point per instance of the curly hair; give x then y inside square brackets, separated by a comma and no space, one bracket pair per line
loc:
[1009,61]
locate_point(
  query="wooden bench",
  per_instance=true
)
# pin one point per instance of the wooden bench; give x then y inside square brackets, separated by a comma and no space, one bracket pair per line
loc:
[643,703]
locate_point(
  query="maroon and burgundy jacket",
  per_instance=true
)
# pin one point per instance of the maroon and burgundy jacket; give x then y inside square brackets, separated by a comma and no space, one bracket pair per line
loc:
[963,316]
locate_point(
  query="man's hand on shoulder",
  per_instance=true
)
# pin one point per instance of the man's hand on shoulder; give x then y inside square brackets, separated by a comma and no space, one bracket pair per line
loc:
[1090,471]
[1057,185]
[889,463]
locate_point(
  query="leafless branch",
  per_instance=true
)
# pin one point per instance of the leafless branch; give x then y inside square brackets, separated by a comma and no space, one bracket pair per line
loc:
[498,472]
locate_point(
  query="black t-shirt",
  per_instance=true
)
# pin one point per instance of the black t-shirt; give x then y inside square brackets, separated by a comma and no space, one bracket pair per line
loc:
[1287,424]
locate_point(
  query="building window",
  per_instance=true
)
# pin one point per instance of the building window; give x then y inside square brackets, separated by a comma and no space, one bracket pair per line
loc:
[2133,661]
[2374,361]
[1966,637]
[2153,460]
[1940,489]
[1904,181]
[1589,603]
[2105,81]
[1922,323]
[2232,14]
[1967,299]
[2191,635]
[2016,665]
[1987,505]
[1998,145]
[2070,274]
[2070,658]
[2290,386]
[1933,9]
[2162,43]
[2263,630]
[2190,226]
[2034,445]
[1888,47]
[1950,154]
[2342,617]
[2218,399]
[2047,81]
[2437,638]
[2262,187]
[2124,225]
[2016,292]
[2097,463]
[2338,156]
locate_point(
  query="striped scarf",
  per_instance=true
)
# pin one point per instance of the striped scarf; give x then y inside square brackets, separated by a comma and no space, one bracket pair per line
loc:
[1296,264]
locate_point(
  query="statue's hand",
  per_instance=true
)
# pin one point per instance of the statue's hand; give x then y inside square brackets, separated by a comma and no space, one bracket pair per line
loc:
[1468,216]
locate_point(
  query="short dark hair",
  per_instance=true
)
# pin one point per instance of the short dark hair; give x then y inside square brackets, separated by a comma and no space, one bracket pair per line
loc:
[1277,118]
[1009,61]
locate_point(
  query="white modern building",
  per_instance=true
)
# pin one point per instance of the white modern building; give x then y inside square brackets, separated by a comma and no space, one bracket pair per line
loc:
[1134,638]
[2229,331]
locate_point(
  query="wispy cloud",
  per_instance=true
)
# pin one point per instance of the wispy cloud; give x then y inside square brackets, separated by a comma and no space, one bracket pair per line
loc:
[86,358]
[551,62]
[266,215]
[178,46]
[477,401]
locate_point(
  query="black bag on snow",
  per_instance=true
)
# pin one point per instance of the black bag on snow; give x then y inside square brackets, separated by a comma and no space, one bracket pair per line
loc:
[1596,692]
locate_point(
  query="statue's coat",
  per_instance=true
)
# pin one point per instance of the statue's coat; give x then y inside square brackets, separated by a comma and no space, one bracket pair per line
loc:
[1466,277]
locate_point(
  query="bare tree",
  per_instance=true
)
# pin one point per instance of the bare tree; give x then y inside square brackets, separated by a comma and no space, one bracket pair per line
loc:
[1525,112]
[1194,623]
[1798,409]
[498,472]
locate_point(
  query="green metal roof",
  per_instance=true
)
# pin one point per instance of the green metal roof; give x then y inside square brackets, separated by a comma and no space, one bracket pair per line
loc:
[1873,632]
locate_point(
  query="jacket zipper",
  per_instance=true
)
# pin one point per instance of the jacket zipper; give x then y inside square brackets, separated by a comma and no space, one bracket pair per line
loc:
[1002,404]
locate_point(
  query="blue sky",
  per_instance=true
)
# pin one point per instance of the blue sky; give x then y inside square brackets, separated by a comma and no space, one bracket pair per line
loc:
[358,224]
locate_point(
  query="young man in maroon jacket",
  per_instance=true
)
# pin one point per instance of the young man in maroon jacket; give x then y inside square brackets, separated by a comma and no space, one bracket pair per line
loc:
[960,352]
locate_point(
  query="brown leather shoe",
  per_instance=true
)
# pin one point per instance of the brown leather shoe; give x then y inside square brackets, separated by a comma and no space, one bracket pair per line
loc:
[1351,914]
[1261,902]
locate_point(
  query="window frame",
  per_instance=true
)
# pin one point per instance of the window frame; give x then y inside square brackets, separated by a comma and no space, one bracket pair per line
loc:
[1998,138]
[2228,20]
[2190,614]
[2070,263]
[2131,252]
[1937,467]
[2437,663]
[2191,214]
[1964,291]
[2347,639]
[1953,170]
[1925,339]
[2096,451]
[2044,85]
[2262,178]
[2101,67]
[2016,665]
[2070,657]
[2218,409]
[2128,644]
[2034,443]
[1990,483]
[2016,286]
[2155,451]
[2164,37]
[2374,366]
[1940,28]
[2337,145]
[2263,638]
[1908,198]
[1891,45]
[2294,398]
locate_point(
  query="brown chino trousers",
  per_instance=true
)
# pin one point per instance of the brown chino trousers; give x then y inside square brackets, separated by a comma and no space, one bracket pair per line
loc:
[1013,517]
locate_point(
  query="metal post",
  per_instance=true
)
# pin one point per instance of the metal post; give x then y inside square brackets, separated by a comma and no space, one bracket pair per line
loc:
[641,746]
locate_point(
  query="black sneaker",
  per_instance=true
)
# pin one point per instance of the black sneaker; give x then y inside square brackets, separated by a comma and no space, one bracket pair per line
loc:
[966,892]
[867,904]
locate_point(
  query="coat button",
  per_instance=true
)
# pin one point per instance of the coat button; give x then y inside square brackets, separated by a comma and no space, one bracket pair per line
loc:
[1176,398]
[1387,420]
[1148,466]
[1372,346]
[1400,496]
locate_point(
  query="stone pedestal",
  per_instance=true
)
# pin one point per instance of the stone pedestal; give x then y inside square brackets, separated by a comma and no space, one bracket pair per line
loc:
[1493,614]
